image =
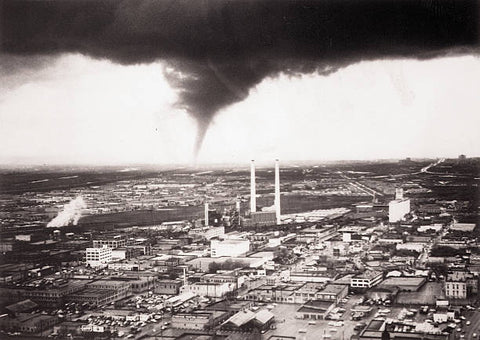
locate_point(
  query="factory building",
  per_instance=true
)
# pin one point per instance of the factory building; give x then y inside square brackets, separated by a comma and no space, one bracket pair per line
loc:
[209,289]
[260,219]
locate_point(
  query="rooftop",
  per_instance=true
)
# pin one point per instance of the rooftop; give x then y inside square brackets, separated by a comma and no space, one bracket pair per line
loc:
[401,281]
[369,274]
[333,289]
[241,318]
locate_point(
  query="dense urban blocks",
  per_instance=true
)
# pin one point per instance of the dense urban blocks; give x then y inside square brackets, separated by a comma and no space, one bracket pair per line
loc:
[336,266]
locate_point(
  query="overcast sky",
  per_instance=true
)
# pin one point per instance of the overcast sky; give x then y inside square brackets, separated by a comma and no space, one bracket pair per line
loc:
[75,109]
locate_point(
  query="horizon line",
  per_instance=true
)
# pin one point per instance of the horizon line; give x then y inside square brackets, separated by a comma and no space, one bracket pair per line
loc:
[287,162]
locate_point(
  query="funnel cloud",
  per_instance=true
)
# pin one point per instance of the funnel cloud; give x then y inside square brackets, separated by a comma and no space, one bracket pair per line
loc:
[215,51]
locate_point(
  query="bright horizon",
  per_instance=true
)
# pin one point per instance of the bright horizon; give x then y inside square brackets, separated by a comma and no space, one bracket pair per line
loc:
[75,110]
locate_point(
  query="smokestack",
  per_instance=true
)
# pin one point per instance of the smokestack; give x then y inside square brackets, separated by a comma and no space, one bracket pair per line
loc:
[206,214]
[277,191]
[253,194]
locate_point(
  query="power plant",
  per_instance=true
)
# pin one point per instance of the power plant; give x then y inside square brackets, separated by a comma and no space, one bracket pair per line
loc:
[267,216]
[262,218]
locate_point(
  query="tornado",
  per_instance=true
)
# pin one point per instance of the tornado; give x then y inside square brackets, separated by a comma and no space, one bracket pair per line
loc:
[222,49]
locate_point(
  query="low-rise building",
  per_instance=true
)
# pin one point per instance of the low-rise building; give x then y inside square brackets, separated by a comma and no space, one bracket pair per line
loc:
[408,284]
[247,321]
[229,248]
[206,289]
[283,293]
[315,310]
[94,297]
[121,288]
[207,232]
[236,280]
[167,287]
[366,280]
[112,242]
[308,291]
[313,276]
[198,320]
[466,227]
[460,285]
[98,257]
[52,295]
[380,329]
[333,292]
[27,323]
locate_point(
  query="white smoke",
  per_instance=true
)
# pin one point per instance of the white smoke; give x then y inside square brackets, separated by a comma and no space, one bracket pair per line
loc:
[70,214]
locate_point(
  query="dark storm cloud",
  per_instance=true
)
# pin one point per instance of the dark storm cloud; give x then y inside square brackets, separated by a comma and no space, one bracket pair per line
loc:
[218,50]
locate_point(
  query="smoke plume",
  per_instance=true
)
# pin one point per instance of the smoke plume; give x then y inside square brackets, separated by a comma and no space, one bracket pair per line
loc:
[220,49]
[70,215]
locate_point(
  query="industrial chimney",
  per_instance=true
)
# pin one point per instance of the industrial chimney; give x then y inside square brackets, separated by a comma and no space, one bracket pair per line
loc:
[277,191]
[253,194]
[206,214]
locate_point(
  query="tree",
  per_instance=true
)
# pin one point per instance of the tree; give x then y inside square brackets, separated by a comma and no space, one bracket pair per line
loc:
[213,267]
[445,251]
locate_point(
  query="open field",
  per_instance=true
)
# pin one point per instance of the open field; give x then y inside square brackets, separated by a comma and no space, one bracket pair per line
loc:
[17,182]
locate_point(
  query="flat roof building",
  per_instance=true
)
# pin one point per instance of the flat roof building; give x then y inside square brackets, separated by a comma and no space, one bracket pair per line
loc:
[409,284]
[230,248]
[367,279]
[98,257]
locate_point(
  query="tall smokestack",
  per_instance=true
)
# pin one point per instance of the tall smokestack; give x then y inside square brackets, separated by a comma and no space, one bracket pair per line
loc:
[206,214]
[253,194]
[277,191]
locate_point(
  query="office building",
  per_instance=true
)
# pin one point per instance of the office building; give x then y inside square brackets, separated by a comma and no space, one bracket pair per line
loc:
[98,257]
[367,279]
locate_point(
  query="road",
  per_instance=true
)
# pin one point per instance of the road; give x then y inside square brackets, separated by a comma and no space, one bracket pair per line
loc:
[425,169]
[361,187]
[474,327]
